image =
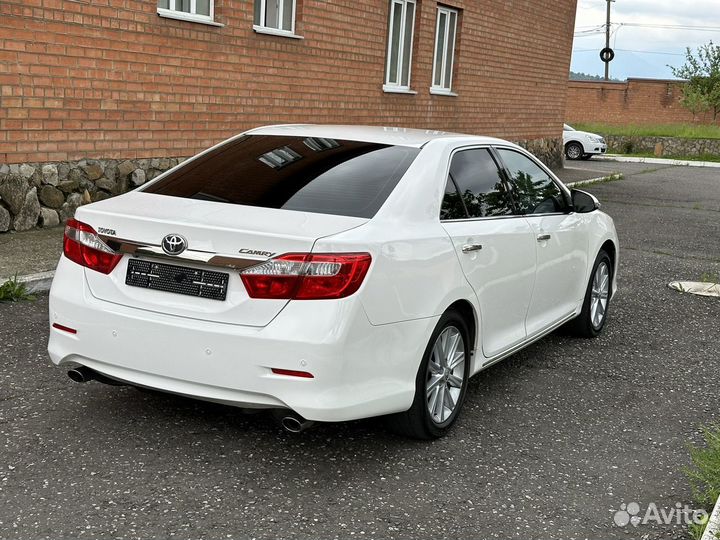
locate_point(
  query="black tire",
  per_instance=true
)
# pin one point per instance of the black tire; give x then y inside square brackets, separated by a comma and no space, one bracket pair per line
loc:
[574,150]
[417,421]
[586,157]
[583,325]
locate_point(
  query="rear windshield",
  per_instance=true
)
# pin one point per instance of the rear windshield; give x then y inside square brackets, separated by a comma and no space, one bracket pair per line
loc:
[308,174]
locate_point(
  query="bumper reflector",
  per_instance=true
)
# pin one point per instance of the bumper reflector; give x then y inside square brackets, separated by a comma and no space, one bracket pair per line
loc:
[64,328]
[293,373]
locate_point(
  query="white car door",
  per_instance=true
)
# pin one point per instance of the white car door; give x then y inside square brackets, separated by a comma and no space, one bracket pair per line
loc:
[496,249]
[561,240]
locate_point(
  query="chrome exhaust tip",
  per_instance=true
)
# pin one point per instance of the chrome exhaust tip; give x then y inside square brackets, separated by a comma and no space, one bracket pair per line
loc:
[292,422]
[81,374]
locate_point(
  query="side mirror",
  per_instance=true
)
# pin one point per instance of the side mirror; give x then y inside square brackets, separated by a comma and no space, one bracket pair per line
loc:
[584,202]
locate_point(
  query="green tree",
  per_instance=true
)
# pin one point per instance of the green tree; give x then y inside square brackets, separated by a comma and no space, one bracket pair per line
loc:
[702,71]
[694,100]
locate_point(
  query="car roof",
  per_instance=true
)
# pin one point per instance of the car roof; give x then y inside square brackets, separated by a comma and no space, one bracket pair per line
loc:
[397,136]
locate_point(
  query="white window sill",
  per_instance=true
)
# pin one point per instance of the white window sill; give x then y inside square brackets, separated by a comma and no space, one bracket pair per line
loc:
[391,89]
[189,17]
[442,92]
[275,32]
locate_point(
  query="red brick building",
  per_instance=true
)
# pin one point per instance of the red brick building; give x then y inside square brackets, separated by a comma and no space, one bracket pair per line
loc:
[132,80]
[636,101]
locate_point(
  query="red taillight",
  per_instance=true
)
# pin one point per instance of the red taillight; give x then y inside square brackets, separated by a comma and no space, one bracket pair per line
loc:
[83,246]
[307,276]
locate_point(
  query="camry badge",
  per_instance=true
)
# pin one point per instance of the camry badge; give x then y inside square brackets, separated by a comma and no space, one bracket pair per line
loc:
[257,252]
[174,244]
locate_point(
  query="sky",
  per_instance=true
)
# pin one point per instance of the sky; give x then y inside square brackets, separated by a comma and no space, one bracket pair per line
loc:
[642,51]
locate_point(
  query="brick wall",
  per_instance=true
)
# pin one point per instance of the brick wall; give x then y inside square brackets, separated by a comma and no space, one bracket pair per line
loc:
[110,79]
[637,101]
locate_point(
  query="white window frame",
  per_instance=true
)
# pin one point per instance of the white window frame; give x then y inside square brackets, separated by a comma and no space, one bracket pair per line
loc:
[441,89]
[172,13]
[262,28]
[397,86]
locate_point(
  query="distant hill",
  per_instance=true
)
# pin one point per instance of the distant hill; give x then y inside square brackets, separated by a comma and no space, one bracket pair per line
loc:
[575,76]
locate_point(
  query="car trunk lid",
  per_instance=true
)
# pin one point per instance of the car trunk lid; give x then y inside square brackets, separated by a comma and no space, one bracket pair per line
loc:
[221,238]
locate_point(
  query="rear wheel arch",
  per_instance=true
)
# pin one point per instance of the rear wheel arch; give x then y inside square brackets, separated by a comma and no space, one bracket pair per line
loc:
[437,376]
[466,310]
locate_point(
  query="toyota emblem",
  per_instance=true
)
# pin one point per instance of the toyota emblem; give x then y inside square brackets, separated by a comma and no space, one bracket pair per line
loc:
[174,244]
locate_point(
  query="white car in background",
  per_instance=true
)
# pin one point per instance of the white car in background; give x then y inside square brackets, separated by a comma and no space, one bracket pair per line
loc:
[331,273]
[581,144]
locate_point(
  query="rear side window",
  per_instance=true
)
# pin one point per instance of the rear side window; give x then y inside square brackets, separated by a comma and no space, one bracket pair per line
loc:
[480,185]
[453,206]
[308,174]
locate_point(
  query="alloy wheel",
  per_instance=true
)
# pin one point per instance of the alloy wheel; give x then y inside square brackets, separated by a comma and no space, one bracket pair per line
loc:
[574,151]
[599,295]
[445,375]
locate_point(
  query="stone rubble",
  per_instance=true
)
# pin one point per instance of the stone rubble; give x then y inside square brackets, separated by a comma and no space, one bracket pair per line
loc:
[47,194]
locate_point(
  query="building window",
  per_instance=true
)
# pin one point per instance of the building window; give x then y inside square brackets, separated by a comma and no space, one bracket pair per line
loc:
[188,10]
[400,44]
[275,17]
[444,58]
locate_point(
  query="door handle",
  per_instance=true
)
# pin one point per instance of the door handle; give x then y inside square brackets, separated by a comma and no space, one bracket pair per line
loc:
[467,248]
[543,237]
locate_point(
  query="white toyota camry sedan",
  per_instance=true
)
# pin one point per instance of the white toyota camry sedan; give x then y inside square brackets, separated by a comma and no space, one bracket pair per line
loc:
[331,273]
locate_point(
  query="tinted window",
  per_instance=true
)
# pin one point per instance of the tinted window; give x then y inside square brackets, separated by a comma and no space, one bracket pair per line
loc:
[452,205]
[325,176]
[482,189]
[534,192]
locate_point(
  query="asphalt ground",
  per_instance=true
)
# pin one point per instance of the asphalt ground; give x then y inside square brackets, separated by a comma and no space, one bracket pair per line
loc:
[29,252]
[551,441]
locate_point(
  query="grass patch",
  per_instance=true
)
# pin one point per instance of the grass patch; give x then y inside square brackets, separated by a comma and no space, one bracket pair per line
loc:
[14,291]
[704,475]
[710,277]
[702,157]
[605,180]
[682,131]
[697,530]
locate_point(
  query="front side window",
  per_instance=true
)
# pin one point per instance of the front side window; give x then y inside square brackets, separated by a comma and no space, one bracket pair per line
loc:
[275,15]
[400,43]
[200,10]
[476,187]
[444,58]
[533,190]
[306,174]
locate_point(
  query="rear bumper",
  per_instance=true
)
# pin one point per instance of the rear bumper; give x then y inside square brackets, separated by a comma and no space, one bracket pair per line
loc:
[360,370]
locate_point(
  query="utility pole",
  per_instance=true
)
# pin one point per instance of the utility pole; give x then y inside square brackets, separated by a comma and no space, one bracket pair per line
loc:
[607,40]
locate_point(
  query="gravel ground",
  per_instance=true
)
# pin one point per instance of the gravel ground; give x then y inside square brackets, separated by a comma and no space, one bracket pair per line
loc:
[551,441]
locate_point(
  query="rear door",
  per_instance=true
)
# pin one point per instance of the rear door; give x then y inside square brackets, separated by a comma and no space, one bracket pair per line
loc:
[495,248]
[560,240]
